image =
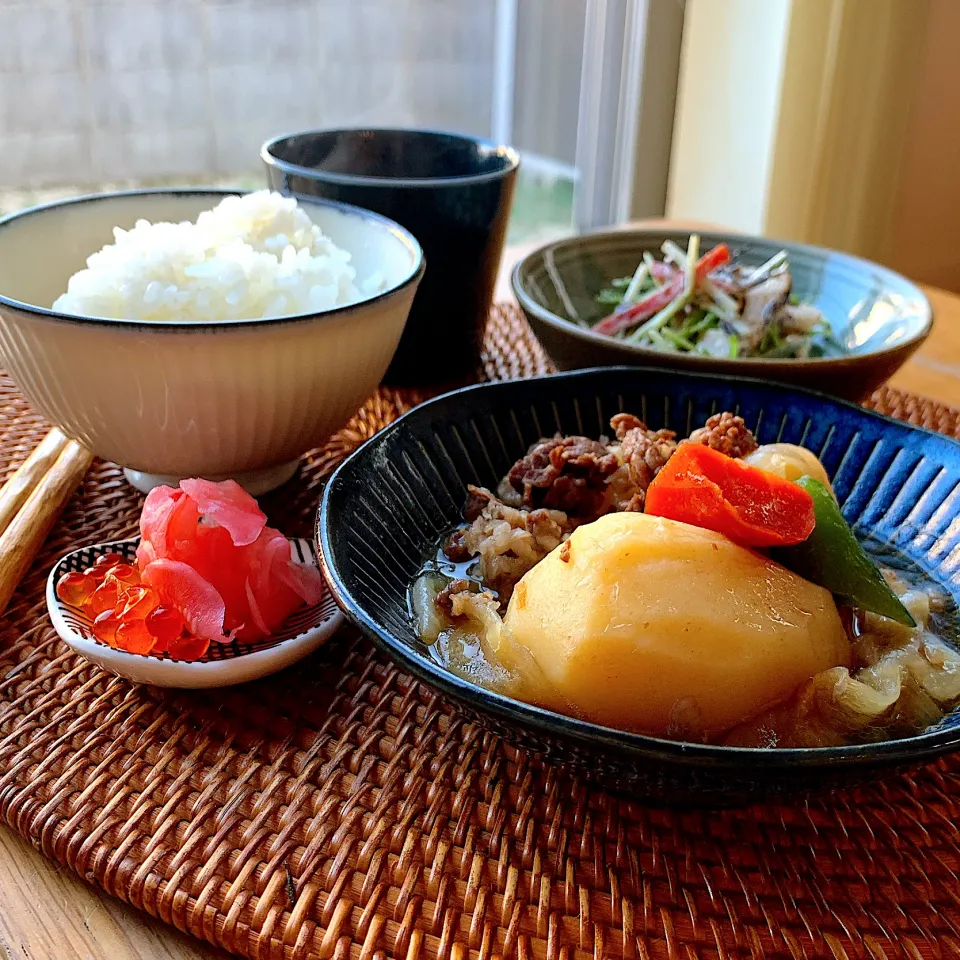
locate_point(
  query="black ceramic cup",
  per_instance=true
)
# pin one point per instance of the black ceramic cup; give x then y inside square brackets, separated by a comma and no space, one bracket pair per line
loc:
[452,192]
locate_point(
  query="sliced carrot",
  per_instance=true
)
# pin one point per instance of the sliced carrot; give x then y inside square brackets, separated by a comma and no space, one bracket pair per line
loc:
[705,488]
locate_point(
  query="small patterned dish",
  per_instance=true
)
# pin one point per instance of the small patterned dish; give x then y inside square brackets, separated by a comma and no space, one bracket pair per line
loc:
[223,665]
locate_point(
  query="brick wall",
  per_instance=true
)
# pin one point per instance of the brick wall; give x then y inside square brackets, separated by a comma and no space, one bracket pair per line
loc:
[96,91]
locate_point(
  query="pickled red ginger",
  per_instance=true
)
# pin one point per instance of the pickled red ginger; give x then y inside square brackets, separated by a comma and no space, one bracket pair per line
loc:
[207,550]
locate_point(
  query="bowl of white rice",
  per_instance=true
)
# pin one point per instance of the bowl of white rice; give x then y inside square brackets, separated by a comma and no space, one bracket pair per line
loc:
[201,332]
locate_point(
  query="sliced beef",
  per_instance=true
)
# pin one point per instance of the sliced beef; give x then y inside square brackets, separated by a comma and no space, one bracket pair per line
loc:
[444,599]
[641,453]
[507,541]
[564,473]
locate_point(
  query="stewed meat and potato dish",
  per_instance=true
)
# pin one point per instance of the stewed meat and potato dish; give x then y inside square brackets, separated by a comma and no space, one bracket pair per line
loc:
[705,589]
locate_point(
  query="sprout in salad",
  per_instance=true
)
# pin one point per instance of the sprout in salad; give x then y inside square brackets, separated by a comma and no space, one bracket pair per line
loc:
[710,306]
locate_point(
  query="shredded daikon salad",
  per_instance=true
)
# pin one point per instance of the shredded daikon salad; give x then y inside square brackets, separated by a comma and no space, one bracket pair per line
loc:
[711,306]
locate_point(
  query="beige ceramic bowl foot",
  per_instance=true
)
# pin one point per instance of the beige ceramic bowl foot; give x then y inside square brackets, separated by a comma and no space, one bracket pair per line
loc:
[255,482]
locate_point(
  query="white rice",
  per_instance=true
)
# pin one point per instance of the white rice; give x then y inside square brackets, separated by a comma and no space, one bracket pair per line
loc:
[250,257]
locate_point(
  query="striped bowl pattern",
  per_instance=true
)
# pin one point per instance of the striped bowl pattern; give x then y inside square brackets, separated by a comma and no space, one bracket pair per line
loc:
[385,508]
[202,402]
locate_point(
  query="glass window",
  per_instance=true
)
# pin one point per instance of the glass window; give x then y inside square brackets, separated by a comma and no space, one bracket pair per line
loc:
[100,94]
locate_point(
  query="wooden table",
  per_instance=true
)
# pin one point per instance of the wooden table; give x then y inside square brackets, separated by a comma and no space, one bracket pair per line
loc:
[47,913]
[934,370]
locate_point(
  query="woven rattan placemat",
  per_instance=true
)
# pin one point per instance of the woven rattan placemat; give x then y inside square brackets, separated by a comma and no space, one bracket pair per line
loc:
[342,810]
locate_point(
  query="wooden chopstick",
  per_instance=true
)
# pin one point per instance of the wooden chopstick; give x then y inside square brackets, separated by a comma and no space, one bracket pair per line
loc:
[39,506]
[16,490]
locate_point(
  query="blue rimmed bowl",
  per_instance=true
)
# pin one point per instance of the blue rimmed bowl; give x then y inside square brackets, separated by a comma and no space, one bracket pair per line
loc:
[172,399]
[386,507]
[880,317]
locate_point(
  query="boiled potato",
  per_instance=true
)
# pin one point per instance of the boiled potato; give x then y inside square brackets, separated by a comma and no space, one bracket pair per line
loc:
[665,628]
[789,461]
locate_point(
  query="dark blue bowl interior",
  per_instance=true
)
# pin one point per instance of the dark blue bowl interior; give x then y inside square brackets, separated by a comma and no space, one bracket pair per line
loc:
[385,508]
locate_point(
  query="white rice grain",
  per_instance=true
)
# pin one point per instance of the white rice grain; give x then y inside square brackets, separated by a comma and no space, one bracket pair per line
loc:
[251,257]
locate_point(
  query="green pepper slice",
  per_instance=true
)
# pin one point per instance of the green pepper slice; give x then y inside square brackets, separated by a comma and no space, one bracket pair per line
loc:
[832,558]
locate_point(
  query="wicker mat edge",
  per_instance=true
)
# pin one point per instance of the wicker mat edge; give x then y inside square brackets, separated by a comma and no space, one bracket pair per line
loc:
[349,812]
